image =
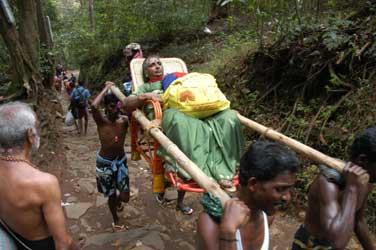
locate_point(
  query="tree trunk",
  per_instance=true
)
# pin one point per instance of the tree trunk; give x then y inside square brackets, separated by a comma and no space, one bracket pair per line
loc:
[42,26]
[28,29]
[25,72]
[82,3]
[318,10]
[46,46]
[91,15]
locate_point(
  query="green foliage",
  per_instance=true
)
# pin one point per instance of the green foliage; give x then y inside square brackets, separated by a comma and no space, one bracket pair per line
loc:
[304,180]
[50,8]
[335,35]
[120,22]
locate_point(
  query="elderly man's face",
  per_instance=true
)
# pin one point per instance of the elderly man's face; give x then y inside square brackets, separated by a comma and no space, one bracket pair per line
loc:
[127,52]
[155,68]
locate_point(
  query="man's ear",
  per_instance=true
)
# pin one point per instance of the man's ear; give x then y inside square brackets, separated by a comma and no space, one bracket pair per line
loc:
[30,136]
[252,184]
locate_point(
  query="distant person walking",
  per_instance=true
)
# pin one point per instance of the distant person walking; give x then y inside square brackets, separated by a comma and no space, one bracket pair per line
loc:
[79,105]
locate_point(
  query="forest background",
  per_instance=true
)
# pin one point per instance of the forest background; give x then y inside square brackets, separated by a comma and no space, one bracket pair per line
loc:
[304,67]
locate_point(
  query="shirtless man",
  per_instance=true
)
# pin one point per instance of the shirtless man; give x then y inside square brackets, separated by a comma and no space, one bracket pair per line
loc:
[336,204]
[267,175]
[112,169]
[30,207]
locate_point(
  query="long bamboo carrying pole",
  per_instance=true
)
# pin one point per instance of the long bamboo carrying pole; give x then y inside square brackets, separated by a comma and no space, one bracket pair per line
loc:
[299,147]
[190,167]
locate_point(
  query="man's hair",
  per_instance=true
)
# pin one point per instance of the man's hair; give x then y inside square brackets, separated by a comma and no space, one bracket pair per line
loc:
[145,66]
[264,160]
[134,47]
[365,144]
[110,98]
[15,119]
[81,83]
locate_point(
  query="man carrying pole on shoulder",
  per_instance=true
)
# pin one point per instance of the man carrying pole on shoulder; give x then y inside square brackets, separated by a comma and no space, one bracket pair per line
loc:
[337,203]
[267,176]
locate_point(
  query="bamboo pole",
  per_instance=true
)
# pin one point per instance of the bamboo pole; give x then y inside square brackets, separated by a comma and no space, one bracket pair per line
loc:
[297,146]
[116,91]
[184,162]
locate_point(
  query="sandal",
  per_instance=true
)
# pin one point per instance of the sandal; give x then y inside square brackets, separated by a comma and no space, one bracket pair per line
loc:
[118,228]
[160,199]
[163,200]
[185,210]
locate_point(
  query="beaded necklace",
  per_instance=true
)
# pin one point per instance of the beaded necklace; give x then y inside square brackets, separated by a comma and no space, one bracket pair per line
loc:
[14,159]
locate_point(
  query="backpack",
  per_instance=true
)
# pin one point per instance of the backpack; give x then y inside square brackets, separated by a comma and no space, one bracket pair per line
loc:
[80,100]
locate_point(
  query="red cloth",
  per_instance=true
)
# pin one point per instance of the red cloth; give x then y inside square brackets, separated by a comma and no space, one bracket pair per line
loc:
[155,79]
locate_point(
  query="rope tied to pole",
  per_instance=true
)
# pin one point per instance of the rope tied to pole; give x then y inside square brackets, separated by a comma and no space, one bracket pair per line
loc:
[153,124]
[264,134]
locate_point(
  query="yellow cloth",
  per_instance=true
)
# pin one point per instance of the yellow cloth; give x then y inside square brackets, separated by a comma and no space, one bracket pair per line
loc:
[196,95]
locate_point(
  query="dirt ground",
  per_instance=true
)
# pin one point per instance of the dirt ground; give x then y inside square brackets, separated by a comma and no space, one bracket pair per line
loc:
[150,225]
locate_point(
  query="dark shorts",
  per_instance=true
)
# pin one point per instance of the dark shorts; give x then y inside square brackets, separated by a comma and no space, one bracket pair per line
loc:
[45,244]
[79,113]
[111,176]
[82,113]
[304,240]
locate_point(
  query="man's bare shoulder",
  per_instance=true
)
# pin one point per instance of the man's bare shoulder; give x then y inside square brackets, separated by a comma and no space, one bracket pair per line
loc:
[322,187]
[48,179]
[44,181]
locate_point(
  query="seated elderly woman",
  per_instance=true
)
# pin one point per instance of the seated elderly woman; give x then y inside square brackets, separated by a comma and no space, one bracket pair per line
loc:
[215,143]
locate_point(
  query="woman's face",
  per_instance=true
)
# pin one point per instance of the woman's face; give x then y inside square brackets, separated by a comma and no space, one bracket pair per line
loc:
[154,68]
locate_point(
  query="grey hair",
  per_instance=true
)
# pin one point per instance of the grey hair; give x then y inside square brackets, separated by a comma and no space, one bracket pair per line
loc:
[145,66]
[15,119]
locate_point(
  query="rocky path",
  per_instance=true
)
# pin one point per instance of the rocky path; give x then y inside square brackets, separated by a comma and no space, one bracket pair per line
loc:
[150,226]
